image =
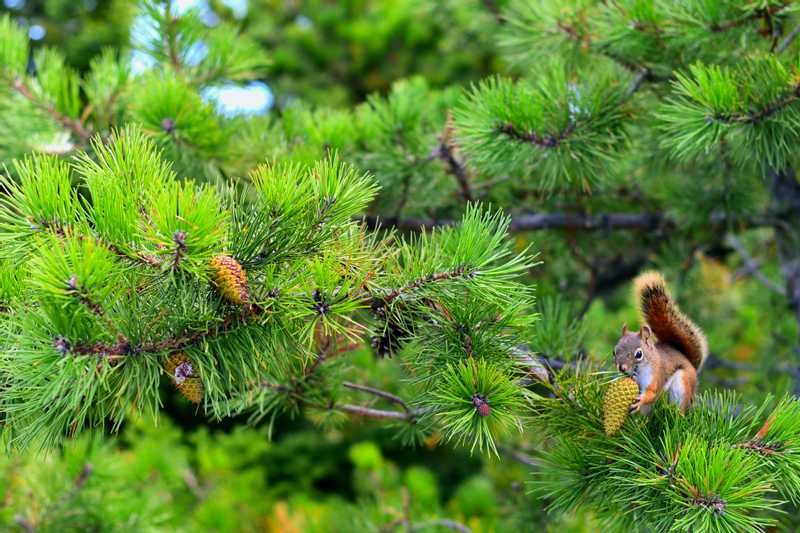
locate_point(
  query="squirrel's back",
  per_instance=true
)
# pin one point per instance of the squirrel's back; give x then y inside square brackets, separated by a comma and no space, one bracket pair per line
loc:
[669,324]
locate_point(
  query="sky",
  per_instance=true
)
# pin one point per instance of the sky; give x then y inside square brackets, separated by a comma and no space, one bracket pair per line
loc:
[230,98]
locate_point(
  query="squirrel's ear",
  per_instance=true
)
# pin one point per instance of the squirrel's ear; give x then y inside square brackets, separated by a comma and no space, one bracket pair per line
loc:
[624,329]
[646,333]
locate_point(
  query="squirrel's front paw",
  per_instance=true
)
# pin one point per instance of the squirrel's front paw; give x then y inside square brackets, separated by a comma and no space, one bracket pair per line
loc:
[636,405]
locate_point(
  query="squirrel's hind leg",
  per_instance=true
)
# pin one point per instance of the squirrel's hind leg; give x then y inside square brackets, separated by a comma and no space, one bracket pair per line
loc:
[681,386]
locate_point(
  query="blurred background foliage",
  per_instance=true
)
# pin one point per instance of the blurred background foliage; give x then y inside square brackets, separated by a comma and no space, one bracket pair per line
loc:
[400,64]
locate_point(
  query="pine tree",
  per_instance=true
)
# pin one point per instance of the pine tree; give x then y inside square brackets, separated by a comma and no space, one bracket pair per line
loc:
[147,238]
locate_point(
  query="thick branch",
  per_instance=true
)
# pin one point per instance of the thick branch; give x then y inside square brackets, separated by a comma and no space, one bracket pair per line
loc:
[576,221]
[785,191]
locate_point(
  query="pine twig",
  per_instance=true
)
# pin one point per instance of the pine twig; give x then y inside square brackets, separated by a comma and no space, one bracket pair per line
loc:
[457,168]
[169,38]
[531,137]
[441,522]
[380,393]
[369,412]
[420,526]
[519,456]
[752,267]
[494,9]
[788,40]
[722,27]
[638,80]
[24,524]
[416,284]
[74,126]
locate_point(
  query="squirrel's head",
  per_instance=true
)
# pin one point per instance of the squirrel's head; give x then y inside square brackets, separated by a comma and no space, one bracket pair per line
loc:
[633,349]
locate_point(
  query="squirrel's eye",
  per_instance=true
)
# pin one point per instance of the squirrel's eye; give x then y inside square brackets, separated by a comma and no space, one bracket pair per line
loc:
[638,354]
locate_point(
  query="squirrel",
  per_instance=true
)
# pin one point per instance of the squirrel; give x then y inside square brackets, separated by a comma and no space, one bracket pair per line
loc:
[668,351]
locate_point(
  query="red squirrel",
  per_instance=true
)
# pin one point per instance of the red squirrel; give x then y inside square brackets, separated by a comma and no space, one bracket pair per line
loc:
[668,351]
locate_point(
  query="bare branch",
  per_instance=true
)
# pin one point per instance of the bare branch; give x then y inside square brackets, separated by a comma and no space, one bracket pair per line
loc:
[495,10]
[369,412]
[518,456]
[531,137]
[445,151]
[75,126]
[638,80]
[788,40]
[752,267]
[442,522]
[378,392]
[578,222]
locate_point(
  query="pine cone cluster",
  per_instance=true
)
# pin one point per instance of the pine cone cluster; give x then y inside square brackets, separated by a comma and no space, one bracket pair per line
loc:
[617,402]
[182,371]
[230,279]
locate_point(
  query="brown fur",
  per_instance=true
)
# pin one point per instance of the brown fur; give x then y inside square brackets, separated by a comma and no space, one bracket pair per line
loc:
[659,311]
[671,348]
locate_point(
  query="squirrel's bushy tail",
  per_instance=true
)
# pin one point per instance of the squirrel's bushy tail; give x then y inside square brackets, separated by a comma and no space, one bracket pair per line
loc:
[661,313]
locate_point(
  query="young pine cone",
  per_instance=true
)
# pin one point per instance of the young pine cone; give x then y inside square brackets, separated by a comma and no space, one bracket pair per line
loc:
[230,279]
[617,402]
[181,369]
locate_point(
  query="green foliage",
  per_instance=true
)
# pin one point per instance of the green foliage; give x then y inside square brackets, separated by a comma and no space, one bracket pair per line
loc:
[147,251]
[567,130]
[465,393]
[336,54]
[377,230]
[742,107]
[714,469]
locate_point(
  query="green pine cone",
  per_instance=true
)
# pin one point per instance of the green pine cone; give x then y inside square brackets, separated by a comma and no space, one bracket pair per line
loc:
[616,403]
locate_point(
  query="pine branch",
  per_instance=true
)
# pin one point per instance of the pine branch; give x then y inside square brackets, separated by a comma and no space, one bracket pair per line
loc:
[785,192]
[770,110]
[170,37]
[788,40]
[578,222]
[408,414]
[638,81]
[494,9]
[722,27]
[123,347]
[759,115]
[531,137]
[412,527]
[380,393]
[456,168]
[24,524]
[369,412]
[517,455]
[74,126]
[431,278]
[624,62]
[442,522]
[752,267]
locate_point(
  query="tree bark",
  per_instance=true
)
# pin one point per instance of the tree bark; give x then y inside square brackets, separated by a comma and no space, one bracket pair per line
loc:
[785,191]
